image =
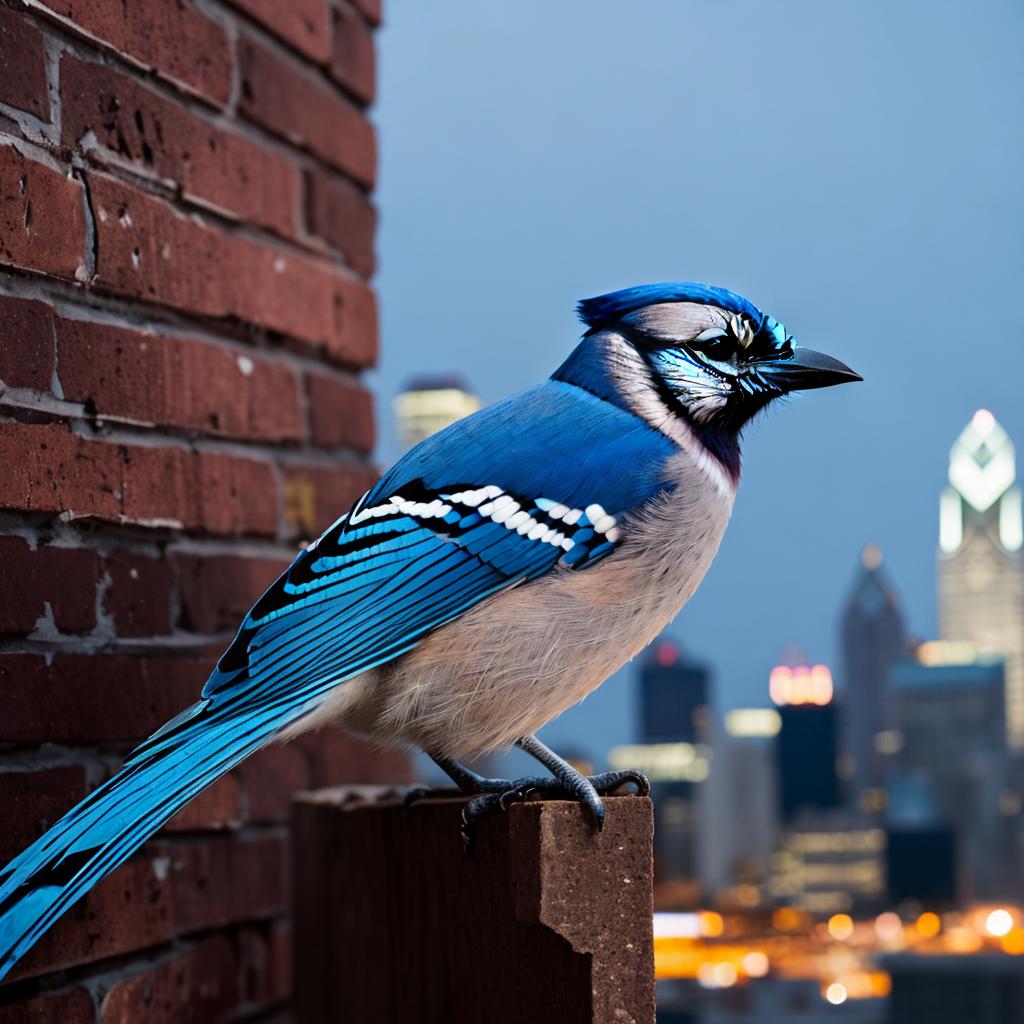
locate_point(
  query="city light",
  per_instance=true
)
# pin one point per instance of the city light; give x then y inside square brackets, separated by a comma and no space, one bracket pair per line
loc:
[676,926]
[888,926]
[836,993]
[663,762]
[711,924]
[928,925]
[800,684]
[999,923]
[753,723]
[840,926]
[755,964]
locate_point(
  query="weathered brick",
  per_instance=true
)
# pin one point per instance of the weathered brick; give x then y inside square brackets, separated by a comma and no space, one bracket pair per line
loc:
[303,24]
[174,39]
[22,65]
[93,698]
[129,910]
[50,469]
[64,578]
[42,223]
[315,496]
[73,1007]
[220,881]
[139,595]
[217,590]
[340,413]
[353,59]
[149,250]
[340,213]
[218,807]
[199,490]
[371,10]
[272,778]
[207,977]
[33,801]
[212,165]
[177,382]
[302,109]
[266,958]
[26,343]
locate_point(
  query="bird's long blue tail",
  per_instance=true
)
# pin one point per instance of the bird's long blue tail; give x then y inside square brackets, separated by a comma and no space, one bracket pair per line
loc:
[95,837]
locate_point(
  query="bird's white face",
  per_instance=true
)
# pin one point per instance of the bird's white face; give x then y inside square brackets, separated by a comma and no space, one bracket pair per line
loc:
[706,358]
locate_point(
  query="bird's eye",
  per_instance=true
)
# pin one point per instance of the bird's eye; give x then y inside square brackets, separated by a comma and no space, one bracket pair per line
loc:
[716,344]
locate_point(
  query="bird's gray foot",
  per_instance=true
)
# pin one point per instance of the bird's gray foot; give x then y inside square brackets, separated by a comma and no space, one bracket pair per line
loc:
[572,784]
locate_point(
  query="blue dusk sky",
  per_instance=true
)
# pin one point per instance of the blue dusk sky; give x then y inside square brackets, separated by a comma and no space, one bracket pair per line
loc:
[855,168]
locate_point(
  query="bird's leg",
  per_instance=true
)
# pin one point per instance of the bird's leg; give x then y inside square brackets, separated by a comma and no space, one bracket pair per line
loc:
[466,779]
[567,781]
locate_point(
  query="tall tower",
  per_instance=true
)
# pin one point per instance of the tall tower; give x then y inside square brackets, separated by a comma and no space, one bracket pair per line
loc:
[429,404]
[872,640]
[981,566]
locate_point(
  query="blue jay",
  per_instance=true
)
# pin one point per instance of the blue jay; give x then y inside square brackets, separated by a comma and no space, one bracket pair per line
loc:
[492,578]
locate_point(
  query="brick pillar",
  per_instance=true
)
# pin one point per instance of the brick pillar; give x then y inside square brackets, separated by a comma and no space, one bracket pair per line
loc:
[186,236]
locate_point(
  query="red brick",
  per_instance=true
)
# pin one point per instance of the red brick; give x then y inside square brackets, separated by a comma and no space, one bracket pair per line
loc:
[42,223]
[217,590]
[94,698]
[353,60]
[218,167]
[220,882]
[266,955]
[302,109]
[272,778]
[336,757]
[315,496]
[147,249]
[341,214]
[200,490]
[139,595]
[131,909]
[22,65]
[177,382]
[174,39]
[50,469]
[218,807]
[200,986]
[370,9]
[33,800]
[303,24]
[64,578]
[26,343]
[340,413]
[74,1007]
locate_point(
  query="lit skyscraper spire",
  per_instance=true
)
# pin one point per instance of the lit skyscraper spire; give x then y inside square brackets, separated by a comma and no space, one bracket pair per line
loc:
[981,564]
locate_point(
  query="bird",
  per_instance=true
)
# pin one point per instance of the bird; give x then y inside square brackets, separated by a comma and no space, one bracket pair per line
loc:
[500,571]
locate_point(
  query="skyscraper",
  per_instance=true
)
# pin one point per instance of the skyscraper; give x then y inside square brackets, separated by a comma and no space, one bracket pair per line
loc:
[428,404]
[872,640]
[806,749]
[981,565]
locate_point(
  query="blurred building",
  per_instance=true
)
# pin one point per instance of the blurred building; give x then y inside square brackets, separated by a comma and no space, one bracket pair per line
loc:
[980,989]
[873,639]
[741,824]
[806,750]
[428,404]
[921,866]
[948,754]
[674,753]
[831,862]
[981,565]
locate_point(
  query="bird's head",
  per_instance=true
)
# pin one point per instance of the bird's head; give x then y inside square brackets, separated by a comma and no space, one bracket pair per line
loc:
[702,354]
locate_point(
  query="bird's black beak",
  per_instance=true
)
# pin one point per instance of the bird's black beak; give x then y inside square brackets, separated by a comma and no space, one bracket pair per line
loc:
[806,369]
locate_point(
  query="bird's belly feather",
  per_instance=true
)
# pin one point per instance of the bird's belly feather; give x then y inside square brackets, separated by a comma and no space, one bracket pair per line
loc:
[517,660]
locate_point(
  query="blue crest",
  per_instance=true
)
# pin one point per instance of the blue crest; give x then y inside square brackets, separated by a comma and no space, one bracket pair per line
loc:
[602,310]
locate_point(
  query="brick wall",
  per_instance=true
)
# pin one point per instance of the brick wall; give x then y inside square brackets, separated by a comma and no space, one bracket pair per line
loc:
[186,236]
